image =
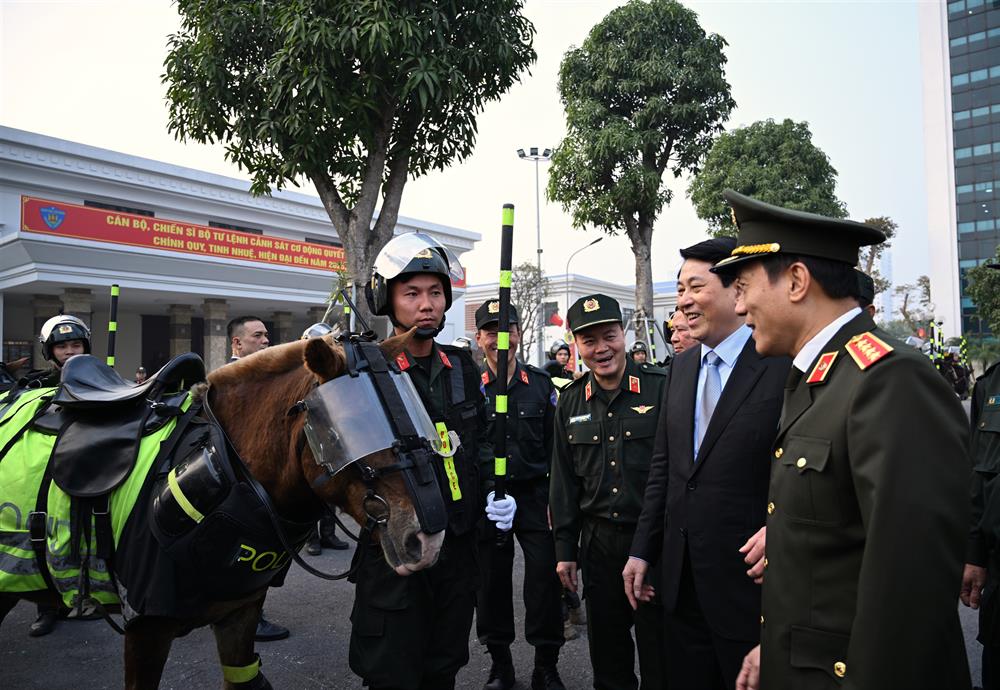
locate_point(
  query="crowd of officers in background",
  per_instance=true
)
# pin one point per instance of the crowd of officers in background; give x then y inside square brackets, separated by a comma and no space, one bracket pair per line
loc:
[783,504]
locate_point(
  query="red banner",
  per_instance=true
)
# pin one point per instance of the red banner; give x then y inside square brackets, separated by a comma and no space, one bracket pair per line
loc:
[100,225]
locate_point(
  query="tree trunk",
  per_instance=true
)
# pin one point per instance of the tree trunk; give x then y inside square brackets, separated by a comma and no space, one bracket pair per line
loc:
[641,235]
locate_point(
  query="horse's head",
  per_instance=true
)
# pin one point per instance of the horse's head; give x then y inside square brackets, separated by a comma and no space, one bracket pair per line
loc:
[379,477]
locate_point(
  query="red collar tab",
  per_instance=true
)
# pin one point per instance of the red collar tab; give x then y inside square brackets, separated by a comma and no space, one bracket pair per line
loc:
[866,349]
[633,384]
[444,359]
[486,378]
[402,361]
[822,368]
[588,391]
[524,377]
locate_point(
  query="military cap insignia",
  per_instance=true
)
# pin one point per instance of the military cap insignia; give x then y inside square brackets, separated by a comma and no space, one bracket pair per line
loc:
[588,391]
[402,361]
[524,377]
[591,305]
[643,409]
[866,349]
[633,384]
[444,359]
[769,248]
[493,307]
[822,368]
[424,253]
[65,329]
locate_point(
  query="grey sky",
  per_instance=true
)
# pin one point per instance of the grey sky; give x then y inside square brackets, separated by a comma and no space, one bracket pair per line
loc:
[89,72]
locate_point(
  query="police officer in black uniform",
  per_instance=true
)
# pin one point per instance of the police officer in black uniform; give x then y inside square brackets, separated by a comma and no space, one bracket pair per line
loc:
[605,427]
[639,352]
[412,633]
[531,404]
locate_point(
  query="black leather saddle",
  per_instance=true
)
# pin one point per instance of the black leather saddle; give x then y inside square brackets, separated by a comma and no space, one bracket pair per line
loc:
[100,420]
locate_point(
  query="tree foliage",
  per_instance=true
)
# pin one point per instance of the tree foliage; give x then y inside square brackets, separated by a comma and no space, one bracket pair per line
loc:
[915,307]
[643,95]
[869,258]
[984,289]
[528,289]
[354,95]
[775,162]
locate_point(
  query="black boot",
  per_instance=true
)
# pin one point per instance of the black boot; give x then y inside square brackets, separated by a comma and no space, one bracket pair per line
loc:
[546,674]
[45,622]
[502,670]
[313,547]
[268,631]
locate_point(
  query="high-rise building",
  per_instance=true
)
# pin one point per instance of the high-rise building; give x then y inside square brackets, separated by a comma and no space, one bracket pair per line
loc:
[960,50]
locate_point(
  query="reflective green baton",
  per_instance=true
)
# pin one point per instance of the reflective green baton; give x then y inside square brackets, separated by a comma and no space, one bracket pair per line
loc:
[503,348]
[112,325]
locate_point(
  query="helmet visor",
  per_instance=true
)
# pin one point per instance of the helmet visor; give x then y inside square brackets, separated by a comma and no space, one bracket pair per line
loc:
[401,250]
[346,421]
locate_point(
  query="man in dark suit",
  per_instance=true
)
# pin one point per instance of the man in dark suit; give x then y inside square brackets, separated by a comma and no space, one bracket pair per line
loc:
[706,499]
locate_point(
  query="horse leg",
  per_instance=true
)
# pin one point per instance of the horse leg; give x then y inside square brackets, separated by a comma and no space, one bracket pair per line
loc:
[147,645]
[234,635]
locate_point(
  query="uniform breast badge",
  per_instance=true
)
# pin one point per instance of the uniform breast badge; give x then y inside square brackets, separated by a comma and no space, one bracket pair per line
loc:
[633,384]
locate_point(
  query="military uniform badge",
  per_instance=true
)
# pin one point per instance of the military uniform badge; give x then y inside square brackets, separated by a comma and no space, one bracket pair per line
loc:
[493,307]
[591,305]
[633,384]
[524,377]
[587,392]
[866,349]
[822,368]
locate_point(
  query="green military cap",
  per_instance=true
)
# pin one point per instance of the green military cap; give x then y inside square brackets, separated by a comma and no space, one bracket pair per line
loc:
[765,229]
[489,312]
[866,287]
[592,310]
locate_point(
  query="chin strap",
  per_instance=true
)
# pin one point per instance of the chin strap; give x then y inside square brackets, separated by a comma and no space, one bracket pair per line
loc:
[422,333]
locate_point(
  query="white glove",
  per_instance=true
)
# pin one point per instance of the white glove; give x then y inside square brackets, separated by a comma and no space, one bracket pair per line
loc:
[502,511]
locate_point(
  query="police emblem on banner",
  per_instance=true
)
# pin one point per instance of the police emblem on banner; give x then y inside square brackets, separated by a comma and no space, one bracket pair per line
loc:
[52,216]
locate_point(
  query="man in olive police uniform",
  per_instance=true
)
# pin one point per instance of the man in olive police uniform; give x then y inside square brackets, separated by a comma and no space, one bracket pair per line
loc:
[412,633]
[982,567]
[531,401]
[868,510]
[605,427]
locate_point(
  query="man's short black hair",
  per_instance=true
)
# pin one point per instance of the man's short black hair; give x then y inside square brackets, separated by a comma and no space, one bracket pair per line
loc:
[836,278]
[239,322]
[712,251]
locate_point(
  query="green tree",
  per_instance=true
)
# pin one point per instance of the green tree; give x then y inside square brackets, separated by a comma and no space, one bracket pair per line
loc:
[355,95]
[771,161]
[870,256]
[643,95]
[984,289]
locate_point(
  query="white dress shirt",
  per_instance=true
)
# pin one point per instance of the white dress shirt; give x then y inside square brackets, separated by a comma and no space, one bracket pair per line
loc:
[810,351]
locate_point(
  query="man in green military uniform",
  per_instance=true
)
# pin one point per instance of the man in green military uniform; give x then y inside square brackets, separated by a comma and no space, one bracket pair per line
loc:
[605,427]
[867,509]
[410,633]
[531,401]
[982,567]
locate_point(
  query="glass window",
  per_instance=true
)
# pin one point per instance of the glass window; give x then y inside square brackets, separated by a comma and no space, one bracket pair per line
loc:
[964,152]
[966,227]
[960,41]
[993,33]
[994,71]
[979,75]
[985,110]
[955,7]
[960,79]
[984,149]
[985,225]
[973,4]
[963,115]
[963,188]
[984,186]
[978,36]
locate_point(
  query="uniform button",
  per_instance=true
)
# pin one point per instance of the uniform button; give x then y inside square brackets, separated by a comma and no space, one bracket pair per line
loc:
[982,425]
[762,620]
[571,437]
[628,433]
[614,515]
[779,452]
[840,669]
[800,463]
[595,438]
[770,508]
[612,463]
[691,486]
[611,414]
[611,438]
[614,489]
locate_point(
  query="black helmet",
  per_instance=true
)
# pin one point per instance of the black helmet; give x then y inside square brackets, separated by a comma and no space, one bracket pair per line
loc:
[556,346]
[60,329]
[638,346]
[413,252]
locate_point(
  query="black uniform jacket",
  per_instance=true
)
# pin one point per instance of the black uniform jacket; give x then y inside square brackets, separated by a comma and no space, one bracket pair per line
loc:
[712,506]
[984,452]
[867,523]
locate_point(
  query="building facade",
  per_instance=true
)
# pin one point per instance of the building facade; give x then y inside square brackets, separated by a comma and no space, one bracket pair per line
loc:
[960,46]
[189,250]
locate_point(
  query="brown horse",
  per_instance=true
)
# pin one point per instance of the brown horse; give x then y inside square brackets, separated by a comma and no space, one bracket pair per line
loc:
[251,399]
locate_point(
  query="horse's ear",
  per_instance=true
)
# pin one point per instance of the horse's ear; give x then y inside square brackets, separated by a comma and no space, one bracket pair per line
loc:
[323,359]
[396,344]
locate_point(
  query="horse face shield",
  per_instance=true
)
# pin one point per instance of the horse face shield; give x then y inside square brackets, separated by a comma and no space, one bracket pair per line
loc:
[353,416]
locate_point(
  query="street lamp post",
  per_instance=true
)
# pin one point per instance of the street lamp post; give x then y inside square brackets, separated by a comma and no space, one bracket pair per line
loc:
[537,157]
[589,244]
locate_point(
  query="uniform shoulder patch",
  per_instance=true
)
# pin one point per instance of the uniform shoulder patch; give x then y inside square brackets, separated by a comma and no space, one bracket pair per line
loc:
[866,349]
[648,368]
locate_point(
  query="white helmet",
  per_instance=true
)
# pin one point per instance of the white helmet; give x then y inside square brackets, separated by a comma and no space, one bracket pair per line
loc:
[317,330]
[60,329]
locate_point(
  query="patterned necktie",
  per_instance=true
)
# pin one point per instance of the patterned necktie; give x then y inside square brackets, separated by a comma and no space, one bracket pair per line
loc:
[710,392]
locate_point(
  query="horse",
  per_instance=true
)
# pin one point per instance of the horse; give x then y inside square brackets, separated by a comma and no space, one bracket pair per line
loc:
[252,400]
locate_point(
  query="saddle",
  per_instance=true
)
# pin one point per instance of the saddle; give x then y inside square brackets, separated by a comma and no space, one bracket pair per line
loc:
[99,420]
